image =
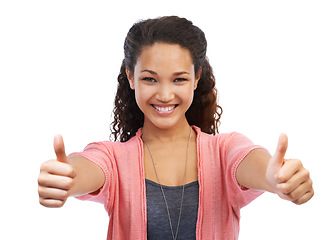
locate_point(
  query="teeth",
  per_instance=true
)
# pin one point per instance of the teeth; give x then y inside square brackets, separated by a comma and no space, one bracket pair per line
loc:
[164,109]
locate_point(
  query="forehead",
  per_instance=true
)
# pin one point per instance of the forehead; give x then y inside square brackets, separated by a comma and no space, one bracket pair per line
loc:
[165,57]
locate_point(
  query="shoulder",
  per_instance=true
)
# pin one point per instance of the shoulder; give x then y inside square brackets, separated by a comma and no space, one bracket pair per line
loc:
[114,149]
[223,143]
[221,139]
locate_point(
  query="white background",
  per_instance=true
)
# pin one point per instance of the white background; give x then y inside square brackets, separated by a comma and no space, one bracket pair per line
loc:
[275,64]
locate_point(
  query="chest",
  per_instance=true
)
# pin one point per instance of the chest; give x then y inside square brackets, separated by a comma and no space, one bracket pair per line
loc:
[171,163]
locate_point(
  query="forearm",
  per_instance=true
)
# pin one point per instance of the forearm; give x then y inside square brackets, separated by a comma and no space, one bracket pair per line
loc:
[251,173]
[89,176]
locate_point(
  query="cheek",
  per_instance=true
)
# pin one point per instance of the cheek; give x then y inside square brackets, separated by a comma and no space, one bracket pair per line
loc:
[142,95]
[138,98]
[191,97]
[187,95]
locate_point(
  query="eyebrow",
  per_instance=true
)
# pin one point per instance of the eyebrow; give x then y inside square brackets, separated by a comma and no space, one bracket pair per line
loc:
[175,74]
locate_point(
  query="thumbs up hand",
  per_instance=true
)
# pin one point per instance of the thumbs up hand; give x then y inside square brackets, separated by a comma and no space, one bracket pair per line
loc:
[288,178]
[56,177]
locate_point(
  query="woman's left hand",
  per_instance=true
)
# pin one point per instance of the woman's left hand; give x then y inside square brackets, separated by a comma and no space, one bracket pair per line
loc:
[288,178]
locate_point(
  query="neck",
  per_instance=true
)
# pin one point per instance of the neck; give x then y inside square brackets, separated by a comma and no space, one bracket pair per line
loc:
[151,132]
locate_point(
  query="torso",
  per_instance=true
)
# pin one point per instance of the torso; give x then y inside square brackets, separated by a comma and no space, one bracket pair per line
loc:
[158,226]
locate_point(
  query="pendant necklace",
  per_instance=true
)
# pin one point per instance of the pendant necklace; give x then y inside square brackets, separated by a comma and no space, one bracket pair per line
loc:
[163,194]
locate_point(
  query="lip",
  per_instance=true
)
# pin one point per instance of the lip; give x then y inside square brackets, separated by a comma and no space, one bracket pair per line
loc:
[164,109]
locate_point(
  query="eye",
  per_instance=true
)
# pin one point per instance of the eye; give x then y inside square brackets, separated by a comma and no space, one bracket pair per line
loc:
[149,79]
[180,80]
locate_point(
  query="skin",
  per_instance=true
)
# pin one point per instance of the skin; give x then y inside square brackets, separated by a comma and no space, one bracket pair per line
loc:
[164,80]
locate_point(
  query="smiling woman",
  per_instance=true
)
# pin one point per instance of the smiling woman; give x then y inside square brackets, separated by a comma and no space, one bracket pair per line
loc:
[166,118]
[164,35]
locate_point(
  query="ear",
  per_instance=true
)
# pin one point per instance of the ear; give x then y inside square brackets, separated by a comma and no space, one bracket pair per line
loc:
[130,78]
[197,78]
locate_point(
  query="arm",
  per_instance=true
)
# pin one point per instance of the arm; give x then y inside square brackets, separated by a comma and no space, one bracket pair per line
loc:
[287,178]
[67,176]
[251,173]
[89,176]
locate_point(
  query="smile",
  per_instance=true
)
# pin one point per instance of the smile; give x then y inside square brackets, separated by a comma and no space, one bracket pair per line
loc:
[164,109]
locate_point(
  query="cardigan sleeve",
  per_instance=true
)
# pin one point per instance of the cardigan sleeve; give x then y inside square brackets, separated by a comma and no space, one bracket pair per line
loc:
[237,147]
[101,154]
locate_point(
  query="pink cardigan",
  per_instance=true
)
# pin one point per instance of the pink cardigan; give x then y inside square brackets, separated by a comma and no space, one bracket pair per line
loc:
[220,196]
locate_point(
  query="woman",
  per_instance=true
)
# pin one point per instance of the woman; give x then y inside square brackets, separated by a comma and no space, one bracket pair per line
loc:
[169,175]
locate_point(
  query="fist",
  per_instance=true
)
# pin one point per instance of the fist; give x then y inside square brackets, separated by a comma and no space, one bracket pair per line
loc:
[289,179]
[56,177]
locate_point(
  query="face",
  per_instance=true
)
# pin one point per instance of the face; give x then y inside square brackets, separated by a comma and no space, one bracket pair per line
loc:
[164,82]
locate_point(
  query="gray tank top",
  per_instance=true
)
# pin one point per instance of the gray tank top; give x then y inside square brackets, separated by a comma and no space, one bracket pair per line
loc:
[157,219]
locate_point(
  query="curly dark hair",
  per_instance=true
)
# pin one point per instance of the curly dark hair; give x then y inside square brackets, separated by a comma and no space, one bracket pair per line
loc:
[204,111]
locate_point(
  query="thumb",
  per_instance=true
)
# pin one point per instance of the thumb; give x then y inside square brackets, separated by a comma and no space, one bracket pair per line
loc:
[279,155]
[59,149]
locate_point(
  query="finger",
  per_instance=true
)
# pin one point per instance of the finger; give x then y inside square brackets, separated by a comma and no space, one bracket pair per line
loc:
[305,198]
[52,193]
[55,167]
[55,181]
[59,149]
[294,182]
[280,152]
[51,203]
[287,171]
[300,191]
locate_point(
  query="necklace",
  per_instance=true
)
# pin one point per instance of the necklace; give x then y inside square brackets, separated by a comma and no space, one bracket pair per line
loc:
[164,196]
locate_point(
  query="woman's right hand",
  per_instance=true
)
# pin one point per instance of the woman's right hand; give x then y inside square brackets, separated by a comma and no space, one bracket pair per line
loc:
[56,177]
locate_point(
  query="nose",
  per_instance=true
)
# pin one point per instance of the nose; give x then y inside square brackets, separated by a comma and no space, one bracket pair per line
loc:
[165,93]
